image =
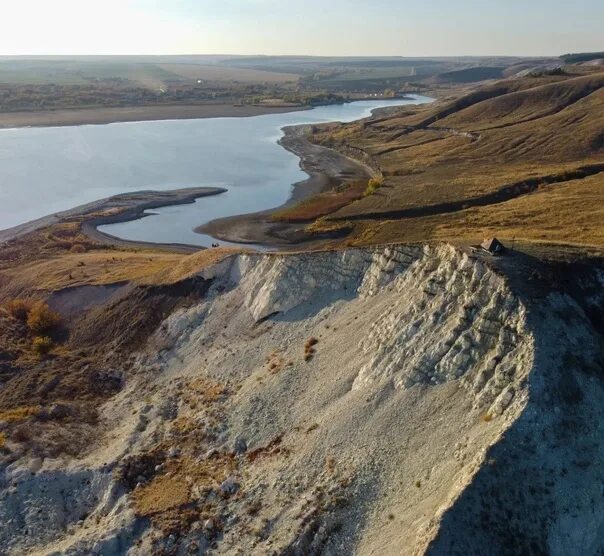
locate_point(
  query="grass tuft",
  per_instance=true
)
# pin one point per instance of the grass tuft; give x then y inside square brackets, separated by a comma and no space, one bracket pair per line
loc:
[42,345]
[372,186]
[42,319]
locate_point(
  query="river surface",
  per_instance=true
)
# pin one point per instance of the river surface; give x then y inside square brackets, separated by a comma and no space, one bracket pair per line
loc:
[45,170]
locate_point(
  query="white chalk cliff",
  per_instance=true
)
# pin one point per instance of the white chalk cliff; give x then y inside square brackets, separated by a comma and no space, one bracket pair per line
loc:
[397,400]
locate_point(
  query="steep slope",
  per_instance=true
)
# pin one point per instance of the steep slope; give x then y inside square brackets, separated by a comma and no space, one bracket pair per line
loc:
[450,167]
[359,401]
[526,105]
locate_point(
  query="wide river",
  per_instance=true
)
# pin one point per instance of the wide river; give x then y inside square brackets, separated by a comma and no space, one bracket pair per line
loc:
[45,170]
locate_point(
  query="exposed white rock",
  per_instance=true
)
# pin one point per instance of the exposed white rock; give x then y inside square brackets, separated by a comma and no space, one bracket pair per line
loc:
[430,387]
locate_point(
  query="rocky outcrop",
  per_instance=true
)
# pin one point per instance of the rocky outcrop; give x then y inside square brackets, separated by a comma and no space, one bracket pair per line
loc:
[364,401]
[541,490]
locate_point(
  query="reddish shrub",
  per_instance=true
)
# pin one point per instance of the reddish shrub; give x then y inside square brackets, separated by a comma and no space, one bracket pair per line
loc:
[41,318]
[18,309]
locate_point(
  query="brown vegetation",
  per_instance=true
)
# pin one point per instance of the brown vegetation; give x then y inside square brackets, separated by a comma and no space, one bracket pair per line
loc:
[41,319]
[322,204]
[309,348]
[18,309]
[18,413]
[520,159]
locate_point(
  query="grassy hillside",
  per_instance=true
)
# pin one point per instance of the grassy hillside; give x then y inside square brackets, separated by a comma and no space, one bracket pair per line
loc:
[582,57]
[470,75]
[520,158]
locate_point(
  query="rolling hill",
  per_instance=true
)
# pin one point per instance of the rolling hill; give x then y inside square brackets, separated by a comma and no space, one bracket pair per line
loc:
[451,170]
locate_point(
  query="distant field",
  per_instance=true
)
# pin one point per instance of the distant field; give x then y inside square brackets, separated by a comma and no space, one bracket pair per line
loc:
[221,73]
[77,72]
[62,83]
[144,73]
[470,75]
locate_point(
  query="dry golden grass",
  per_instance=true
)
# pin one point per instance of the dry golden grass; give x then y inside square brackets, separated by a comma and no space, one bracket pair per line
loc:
[570,213]
[60,256]
[42,345]
[167,497]
[92,268]
[203,391]
[445,164]
[187,265]
[163,493]
[18,414]
[533,103]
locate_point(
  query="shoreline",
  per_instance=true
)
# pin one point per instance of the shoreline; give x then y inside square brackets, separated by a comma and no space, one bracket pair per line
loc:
[123,207]
[65,117]
[326,168]
[125,114]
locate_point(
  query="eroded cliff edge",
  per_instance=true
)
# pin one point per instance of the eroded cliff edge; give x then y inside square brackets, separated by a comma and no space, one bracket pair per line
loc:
[387,400]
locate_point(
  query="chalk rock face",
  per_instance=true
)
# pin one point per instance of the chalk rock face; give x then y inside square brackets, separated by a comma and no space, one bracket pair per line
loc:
[450,314]
[278,284]
[391,400]
[37,505]
[449,319]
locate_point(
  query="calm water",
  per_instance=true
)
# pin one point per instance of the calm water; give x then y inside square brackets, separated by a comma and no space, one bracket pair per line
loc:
[44,170]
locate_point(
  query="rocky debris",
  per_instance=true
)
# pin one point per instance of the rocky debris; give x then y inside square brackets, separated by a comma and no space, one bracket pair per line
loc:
[239,446]
[438,412]
[55,411]
[168,410]
[210,453]
[229,486]
[138,468]
[173,452]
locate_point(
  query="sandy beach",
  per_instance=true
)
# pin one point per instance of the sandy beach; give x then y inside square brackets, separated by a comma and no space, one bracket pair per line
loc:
[88,116]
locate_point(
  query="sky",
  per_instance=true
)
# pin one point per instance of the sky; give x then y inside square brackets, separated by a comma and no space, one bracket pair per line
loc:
[313,27]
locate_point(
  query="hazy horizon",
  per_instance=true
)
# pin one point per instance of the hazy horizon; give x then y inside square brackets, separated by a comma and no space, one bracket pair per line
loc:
[277,28]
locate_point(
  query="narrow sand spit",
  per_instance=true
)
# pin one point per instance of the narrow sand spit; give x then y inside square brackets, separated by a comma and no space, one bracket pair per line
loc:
[88,116]
[118,208]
